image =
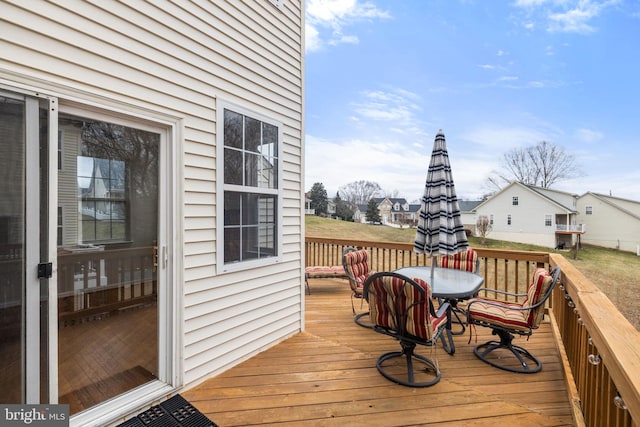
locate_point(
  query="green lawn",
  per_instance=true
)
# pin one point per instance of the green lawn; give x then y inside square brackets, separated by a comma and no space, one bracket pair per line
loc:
[614,272]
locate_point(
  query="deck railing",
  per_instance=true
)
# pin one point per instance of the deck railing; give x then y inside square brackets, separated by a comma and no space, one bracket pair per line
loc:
[95,283]
[575,228]
[600,348]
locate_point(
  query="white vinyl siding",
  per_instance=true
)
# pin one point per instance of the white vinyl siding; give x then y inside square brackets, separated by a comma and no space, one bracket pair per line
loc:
[67,181]
[172,61]
[613,222]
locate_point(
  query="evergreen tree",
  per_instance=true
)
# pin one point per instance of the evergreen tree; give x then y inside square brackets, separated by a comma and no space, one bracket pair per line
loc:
[373,214]
[318,196]
[344,211]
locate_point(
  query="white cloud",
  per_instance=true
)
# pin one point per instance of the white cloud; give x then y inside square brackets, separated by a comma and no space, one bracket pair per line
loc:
[498,140]
[327,20]
[393,105]
[588,135]
[530,3]
[394,165]
[619,184]
[565,16]
[312,38]
[572,21]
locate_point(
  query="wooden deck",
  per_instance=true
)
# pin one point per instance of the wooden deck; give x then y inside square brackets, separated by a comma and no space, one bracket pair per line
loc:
[327,376]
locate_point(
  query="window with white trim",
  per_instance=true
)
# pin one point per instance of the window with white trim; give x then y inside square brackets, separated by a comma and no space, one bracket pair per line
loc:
[509,219]
[249,195]
[548,221]
[514,201]
[588,210]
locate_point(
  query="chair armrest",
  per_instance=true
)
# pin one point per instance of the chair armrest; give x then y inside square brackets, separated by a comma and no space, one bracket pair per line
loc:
[495,304]
[497,291]
[442,309]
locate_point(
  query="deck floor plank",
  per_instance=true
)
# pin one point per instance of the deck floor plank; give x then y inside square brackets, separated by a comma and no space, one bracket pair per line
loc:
[326,376]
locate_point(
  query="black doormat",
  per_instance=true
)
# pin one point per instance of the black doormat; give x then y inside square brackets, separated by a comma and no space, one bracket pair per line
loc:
[174,412]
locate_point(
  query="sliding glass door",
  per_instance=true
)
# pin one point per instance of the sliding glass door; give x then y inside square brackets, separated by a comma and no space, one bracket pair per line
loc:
[82,260]
[108,195]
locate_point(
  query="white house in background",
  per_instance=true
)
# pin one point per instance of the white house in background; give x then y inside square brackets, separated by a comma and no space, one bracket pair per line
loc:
[611,222]
[192,117]
[529,214]
[392,210]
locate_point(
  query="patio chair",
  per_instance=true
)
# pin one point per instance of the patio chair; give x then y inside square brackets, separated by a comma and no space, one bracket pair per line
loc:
[356,266]
[402,308]
[507,319]
[467,261]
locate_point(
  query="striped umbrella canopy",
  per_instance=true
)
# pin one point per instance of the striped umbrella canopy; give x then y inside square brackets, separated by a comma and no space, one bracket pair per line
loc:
[440,229]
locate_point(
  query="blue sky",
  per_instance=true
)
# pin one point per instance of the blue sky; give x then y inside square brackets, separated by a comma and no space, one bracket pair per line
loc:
[383,76]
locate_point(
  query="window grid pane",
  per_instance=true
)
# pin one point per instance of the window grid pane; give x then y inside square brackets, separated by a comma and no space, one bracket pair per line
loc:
[250,160]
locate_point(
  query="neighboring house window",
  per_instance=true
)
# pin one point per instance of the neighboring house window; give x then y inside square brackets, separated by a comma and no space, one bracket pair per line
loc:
[514,201]
[509,219]
[547,221]
[101,186]
[60,222]
[59,150]
[249,156]
[491,219]
[588,210]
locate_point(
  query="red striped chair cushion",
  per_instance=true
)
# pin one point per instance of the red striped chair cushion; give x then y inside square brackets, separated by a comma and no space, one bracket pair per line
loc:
[540,282]
[323,271]
[498,312]
[392,295]
[465,260]
[357,264]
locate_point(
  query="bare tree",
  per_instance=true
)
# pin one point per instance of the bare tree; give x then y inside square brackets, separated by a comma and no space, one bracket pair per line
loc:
[543,165]
[392,194]
[360,192]
[483,227]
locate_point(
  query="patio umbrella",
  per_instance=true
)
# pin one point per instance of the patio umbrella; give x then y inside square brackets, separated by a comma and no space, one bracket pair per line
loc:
[440,229]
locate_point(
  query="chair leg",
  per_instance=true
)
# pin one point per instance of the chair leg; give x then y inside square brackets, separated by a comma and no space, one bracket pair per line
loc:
[460,316]
[358,318]
[529,364]
[408,378]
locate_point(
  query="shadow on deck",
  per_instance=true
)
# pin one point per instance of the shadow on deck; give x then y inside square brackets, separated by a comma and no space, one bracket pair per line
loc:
[327,376]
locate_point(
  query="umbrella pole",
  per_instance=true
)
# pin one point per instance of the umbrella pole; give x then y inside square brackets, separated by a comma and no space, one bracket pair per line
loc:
[432,267]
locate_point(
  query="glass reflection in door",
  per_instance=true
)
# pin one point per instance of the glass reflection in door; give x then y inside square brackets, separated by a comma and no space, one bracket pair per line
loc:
[107,252]
[12,246]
